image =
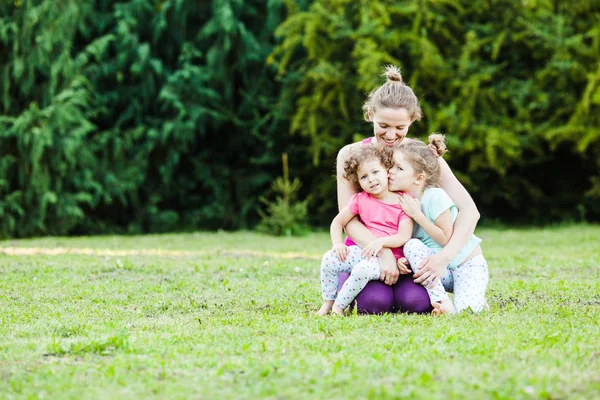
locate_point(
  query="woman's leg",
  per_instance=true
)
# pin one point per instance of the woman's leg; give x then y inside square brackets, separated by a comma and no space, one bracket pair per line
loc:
[375,298]
[410,297]
[470,283]
[365,271]
[415,251]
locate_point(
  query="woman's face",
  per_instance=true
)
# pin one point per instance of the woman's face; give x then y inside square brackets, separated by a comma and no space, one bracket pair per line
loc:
[390,125]
[402,175]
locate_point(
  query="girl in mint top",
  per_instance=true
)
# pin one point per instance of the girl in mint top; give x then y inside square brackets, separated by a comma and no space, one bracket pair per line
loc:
[416,172]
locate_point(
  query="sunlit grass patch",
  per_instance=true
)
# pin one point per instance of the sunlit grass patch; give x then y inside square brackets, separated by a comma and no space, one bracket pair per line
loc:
[226,315]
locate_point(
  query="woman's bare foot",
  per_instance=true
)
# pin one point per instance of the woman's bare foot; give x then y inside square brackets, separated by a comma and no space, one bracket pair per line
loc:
[325,308]
[443,307]
[337,311]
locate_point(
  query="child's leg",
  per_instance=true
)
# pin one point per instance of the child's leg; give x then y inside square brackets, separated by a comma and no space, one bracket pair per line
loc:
[415,251]
[470,283]
[363,272]
[331,267]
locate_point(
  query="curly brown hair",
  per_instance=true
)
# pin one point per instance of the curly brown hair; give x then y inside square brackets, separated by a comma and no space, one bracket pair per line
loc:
[422,159]
[365,153]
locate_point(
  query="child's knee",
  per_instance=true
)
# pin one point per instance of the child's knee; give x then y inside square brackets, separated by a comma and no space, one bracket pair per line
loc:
[413,246]
[366,271]
[328,257]
[328,262]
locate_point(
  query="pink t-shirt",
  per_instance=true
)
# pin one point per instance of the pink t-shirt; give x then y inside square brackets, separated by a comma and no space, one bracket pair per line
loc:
[381,218]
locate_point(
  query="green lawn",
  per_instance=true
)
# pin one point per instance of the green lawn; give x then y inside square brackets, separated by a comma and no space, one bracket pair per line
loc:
[231,315]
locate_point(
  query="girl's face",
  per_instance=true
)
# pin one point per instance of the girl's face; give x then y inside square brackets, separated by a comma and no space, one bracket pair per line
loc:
[402,176]
[373,177]
[390,125]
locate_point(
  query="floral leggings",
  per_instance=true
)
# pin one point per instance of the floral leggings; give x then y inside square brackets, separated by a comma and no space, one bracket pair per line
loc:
[468,281]
[362,270]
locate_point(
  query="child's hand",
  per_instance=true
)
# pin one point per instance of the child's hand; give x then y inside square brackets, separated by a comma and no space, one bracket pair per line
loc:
[372,249]
[403,266]
[410,205]
[341,250]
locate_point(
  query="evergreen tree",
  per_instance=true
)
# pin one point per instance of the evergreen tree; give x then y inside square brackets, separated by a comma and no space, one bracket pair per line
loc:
[136,115]
[46,119]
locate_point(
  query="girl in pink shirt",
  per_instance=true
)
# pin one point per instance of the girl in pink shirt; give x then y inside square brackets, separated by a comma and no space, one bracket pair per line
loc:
[379,210]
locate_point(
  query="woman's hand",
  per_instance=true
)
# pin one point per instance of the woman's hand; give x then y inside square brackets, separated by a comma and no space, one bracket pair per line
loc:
[403,266]
[389,269]
[432,269]
[372,249]
[410,205]
[341,250]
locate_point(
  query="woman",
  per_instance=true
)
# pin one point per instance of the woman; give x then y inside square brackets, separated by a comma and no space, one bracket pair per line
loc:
[392,108]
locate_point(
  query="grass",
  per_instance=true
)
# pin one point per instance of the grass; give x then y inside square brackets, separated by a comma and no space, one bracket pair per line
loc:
[231,315]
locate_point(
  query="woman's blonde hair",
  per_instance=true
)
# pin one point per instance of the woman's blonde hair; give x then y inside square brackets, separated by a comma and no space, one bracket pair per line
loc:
[364,153]
[423,158]
[394,93]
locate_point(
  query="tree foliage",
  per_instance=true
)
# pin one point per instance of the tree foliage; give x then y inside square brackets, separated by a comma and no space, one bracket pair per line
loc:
[135,115]
[286,214]
[513,84]
[140,115]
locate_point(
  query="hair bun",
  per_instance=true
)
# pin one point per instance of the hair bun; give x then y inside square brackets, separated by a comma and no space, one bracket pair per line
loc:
[437,143]
[392,74]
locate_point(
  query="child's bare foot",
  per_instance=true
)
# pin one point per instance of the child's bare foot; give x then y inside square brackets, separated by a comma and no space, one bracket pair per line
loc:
[337,311]
[325,308]
[443,307]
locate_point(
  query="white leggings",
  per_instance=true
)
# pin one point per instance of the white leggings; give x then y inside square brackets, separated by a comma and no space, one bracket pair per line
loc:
[468,281]
[362,270]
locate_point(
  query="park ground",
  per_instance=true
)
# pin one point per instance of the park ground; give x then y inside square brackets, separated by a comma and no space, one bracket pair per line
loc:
[231,315]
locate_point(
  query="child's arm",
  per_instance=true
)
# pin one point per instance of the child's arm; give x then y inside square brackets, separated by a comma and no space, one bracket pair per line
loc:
[336,229]
[405,229]
[441,231]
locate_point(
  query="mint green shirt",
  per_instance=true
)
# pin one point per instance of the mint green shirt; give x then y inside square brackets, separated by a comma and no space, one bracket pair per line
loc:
[433,203]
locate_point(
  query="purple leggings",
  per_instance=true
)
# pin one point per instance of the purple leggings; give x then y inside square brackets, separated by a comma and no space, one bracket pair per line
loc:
[404,296]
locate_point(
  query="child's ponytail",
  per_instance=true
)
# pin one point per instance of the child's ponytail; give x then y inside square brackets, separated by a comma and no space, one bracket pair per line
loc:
[437,142]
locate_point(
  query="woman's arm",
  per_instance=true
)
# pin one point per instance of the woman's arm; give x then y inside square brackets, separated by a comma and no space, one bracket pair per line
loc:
[355,229]
[468,215]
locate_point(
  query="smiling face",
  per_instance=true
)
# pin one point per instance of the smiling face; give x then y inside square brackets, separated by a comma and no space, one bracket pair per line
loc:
[373,177]
[402,176]
[390,125]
